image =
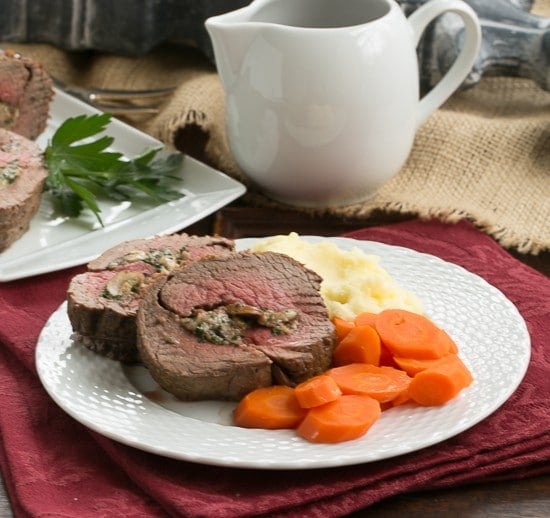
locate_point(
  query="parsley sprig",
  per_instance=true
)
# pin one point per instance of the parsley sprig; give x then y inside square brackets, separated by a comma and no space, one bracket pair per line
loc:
[82,169]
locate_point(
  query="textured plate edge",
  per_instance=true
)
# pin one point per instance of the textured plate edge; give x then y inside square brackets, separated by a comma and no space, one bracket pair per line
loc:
[324,463]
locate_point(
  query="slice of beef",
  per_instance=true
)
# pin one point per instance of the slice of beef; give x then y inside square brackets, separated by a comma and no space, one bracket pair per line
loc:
[22,176]
[103,318]
[162,254]
[26,91]
[102,303]
[221,327]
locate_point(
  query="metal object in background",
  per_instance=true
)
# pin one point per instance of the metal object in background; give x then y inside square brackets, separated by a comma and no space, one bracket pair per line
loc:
[120,101]
[515,42]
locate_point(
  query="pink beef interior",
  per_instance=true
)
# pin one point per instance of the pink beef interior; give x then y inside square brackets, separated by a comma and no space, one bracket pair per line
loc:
[183,296]
[87,288]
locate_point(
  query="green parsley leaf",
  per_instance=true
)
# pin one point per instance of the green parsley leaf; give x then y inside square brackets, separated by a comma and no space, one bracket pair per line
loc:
[82,169]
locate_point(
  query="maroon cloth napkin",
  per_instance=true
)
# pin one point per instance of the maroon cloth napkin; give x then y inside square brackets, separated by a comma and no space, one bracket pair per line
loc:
[53,466]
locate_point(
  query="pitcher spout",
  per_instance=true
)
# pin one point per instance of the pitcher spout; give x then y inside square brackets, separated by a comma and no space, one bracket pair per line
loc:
[231,35]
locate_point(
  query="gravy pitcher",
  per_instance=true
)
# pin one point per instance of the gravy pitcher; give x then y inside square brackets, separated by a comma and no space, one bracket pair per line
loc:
[322,96]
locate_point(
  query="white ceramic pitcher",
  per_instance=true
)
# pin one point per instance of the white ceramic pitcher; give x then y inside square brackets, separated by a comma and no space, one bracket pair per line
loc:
[322,96]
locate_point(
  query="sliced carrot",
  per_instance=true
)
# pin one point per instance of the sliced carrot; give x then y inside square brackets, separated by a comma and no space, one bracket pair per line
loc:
[269,407]
[317,391]
[438,384]
[386,357]
[410,335]
[346,418]
[381,383]
[365,319]
[401,399]
[412,366]
[342,327]
[361,345]
[450,343]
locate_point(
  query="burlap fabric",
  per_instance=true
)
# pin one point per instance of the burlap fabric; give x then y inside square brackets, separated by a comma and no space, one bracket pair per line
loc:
[484,156]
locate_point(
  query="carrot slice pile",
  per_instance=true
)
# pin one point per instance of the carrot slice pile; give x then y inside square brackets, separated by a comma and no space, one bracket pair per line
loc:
[411,344]
[346,418]
[317,391]
[381,383]
[272,408]
[381,361]
[360,345]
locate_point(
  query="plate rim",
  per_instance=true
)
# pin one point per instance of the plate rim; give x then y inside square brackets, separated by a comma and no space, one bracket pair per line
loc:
[299,463]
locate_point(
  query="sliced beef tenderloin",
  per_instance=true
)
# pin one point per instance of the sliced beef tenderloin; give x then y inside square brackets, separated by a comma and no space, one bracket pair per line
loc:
[26,91]
[102,308]
[22,176]
[162,254]
[221,327]
[102,303]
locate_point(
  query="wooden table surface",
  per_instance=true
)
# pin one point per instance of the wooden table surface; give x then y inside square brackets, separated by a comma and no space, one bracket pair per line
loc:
[511,499]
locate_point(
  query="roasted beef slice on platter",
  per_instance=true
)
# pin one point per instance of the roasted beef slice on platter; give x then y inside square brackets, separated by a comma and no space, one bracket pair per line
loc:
[26,91]
[22,176]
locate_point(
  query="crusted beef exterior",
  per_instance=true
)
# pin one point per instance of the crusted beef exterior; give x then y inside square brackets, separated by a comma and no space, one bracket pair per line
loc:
[26,91]
[102,303]
[221,327]
[22,176]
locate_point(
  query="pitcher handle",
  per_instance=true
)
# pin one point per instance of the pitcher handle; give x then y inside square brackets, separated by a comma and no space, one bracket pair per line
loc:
[450,82]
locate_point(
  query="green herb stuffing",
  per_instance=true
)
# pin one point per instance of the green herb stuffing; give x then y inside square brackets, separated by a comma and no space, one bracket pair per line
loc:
[81,169]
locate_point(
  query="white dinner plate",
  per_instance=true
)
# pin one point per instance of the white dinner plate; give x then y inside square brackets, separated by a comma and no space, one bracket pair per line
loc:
[53,243]
[125,404]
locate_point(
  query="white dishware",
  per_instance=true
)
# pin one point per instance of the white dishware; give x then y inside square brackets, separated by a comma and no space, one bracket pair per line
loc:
[125,404]
[322,96]
[54,242]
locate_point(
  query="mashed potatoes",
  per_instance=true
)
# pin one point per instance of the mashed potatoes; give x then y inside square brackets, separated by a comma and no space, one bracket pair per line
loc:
[353,281]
